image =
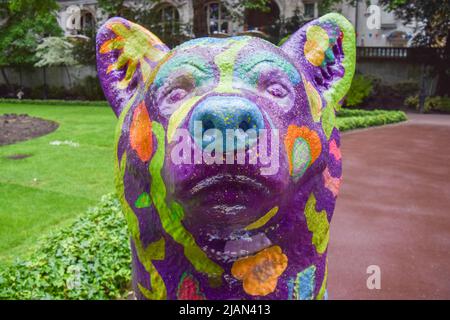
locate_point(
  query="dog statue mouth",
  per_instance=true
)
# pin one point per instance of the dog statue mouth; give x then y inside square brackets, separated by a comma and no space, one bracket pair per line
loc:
[229,214]
[228,199]
[224,183]
[240,247]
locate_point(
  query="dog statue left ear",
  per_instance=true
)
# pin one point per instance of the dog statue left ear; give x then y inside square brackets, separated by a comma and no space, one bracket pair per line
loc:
[126,55]
[326,49]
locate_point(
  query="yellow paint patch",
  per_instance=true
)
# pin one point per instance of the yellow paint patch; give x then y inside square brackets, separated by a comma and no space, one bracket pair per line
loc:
[314,99]
[316,45]
[179,115]
[263,220]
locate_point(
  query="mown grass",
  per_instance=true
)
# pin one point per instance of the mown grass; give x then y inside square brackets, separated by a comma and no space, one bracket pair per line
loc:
[57,183]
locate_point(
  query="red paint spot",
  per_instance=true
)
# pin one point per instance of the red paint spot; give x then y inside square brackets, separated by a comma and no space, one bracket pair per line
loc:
[189,289]
[141,133]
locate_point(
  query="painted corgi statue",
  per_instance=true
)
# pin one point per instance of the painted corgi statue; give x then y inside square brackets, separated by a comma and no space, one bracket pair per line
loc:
[217,218]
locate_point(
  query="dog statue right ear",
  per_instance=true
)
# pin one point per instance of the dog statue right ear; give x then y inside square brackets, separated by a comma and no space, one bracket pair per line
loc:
[126,56]
[326,49]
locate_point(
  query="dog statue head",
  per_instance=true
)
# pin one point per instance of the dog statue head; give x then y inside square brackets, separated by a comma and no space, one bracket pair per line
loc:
[227,158]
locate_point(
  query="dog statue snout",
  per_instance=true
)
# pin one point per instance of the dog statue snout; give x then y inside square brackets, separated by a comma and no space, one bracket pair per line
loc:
[223,115]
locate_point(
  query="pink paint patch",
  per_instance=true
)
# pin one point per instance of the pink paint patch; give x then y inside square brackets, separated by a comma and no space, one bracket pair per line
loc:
[331,183]
[335,151]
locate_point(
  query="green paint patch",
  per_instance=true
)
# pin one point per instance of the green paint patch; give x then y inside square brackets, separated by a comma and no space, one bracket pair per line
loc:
[154,251]
[178,116]
[328,120]
[301,157]
[318,224]
[171,222]
[143,201]
[226,62]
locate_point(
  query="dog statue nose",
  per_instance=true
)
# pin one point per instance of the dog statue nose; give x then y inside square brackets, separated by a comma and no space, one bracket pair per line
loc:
[225,114]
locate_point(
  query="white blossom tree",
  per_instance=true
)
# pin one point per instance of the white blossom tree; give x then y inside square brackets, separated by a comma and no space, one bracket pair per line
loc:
[56,51]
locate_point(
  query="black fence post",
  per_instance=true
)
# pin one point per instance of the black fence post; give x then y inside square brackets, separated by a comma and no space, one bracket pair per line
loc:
[44,71]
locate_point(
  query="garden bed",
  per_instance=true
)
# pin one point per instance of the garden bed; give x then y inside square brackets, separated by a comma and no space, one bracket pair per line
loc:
[21,127]
[76,103]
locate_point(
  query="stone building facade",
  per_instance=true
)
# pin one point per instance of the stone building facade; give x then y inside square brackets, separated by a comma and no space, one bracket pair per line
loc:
[206,17]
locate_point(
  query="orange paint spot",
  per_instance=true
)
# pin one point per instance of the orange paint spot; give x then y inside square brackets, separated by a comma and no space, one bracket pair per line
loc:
[260,273]
[310,136]
[141,133]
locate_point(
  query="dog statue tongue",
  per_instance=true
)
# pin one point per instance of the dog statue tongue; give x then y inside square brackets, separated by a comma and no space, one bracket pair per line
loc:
[228,158]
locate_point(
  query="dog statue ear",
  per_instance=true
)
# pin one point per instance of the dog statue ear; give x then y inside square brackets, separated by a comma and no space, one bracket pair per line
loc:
[126,55]
[326,50]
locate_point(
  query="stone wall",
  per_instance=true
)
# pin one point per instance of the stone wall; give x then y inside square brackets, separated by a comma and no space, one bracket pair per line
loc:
[56,76]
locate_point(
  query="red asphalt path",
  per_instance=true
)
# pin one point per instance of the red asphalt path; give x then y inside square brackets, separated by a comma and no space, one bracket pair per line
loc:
[393,211]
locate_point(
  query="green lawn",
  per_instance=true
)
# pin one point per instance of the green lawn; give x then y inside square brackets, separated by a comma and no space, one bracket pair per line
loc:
[54,185]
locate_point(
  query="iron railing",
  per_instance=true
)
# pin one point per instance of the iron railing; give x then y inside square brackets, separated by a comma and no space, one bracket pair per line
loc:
[416,54]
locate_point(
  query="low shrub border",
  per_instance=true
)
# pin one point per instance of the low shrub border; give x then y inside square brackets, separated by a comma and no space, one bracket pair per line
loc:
[90,259]
[354,119]
[55,102]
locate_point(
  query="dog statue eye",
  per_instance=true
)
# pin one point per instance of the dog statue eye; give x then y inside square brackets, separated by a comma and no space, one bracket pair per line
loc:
[277,90]
[176,95]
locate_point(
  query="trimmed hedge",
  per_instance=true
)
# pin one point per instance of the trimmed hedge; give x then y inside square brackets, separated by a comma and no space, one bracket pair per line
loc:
[55,102]
[354,119]
[359,91]
[90,259]
[432,104]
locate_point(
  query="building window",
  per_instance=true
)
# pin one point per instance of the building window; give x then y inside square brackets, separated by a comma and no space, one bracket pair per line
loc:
[80,22]
[256,20]
[168,18]
[309,10]
[218,18]
[87,22]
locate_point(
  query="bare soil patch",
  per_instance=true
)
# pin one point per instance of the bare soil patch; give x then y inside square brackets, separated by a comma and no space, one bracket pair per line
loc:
[21,127]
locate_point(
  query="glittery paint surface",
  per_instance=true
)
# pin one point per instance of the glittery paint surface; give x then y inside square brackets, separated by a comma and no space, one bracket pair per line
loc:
[220,231]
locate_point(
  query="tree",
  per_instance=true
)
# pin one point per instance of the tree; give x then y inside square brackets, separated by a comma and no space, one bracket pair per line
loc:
[434,31]
[55,51]
[25,24]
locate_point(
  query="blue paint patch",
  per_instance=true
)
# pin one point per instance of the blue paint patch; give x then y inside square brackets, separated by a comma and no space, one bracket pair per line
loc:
[195,65]
[223,113]
[305,283]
